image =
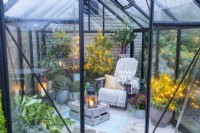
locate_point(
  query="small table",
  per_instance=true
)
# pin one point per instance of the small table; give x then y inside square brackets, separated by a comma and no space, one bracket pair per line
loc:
[93,116]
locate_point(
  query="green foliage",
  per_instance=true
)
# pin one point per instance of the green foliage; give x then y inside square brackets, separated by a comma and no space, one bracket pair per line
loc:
[2,117]
[60,44]
[189,44]
[74,86]
[38,116]
[124,35]
[60,82]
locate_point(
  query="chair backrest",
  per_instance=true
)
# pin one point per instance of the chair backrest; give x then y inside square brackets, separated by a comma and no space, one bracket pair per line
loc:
[126,69]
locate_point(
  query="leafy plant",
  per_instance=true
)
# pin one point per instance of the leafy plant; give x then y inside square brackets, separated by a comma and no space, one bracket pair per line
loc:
[138,101]
[124,34]
[99,58]
[73,60]
[74,86]
[2,117]
[60,82]
[61,44]
[162,90]
[39,116]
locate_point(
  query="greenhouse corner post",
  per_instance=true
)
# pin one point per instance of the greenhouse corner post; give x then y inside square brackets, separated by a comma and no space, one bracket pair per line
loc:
[150,47]
[81,34]
[4,63]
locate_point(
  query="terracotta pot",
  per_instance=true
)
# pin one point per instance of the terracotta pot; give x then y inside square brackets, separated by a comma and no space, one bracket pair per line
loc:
[138,113]
[156,114]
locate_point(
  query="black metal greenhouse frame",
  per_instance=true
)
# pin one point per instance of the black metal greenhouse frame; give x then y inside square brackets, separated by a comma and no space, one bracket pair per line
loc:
[153,26]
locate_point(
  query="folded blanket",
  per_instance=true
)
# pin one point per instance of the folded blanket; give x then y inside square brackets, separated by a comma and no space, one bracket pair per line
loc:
[112,97]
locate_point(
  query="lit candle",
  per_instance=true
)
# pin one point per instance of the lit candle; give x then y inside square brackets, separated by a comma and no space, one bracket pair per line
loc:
[91,103]
[42,93]
[16,89]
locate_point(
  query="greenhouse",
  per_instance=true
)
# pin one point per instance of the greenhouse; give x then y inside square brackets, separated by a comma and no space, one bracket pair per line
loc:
[100,66]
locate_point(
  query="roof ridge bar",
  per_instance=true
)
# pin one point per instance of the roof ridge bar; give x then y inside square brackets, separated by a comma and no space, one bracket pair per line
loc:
[138,8]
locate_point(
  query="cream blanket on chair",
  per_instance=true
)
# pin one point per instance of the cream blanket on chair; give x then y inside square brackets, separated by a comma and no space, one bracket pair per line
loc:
[112,97]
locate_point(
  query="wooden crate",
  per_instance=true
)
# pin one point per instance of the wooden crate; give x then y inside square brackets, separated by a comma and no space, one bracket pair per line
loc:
[93,116]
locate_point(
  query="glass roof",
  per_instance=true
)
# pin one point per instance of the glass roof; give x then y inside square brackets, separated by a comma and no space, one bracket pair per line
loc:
[138,16]
[181,10]
[117,11]
[67,10]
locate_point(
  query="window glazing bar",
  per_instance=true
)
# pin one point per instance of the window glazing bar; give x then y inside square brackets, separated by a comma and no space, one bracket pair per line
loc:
[138,8]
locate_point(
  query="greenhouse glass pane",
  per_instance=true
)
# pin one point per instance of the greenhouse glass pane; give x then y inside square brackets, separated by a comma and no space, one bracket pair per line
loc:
[144,5]
[182,10]
[38,10]
[123,2]
[190,43]
[117,10]
[96,17]
[138,16]
[4,1]
[43,57]
[160,14]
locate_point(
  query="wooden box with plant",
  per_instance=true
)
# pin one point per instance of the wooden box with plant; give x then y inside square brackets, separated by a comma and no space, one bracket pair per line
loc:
[138,103]
[99,57]
[124,35]
[2,117]
[37,116]
[162,90]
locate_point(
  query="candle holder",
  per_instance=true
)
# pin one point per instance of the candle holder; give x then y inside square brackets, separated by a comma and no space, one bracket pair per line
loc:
[45,83]
[91,100]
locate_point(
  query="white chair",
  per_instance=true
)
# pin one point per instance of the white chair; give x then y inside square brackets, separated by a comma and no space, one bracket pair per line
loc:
[125,73]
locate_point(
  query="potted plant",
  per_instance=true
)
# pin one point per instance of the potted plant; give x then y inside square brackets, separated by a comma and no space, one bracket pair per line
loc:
[60,84]
[138,103]
[124,36]
[99,57]
[74,89]
[73,61]
[162,90]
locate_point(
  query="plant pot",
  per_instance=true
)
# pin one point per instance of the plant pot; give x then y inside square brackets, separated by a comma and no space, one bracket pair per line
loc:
[156,114]
[52,95]
[123,50]
[75,96]
[138,113]
[76,76]
[62,97]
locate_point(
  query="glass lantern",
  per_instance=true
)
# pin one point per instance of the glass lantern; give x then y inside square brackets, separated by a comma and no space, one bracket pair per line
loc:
[45,83]
[91,101]
[60,59]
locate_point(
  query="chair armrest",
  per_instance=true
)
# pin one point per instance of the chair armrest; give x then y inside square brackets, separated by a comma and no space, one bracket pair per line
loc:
[100,79]
[100,82]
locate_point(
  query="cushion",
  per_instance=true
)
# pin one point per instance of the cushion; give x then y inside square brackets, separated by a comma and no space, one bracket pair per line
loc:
[112,83]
